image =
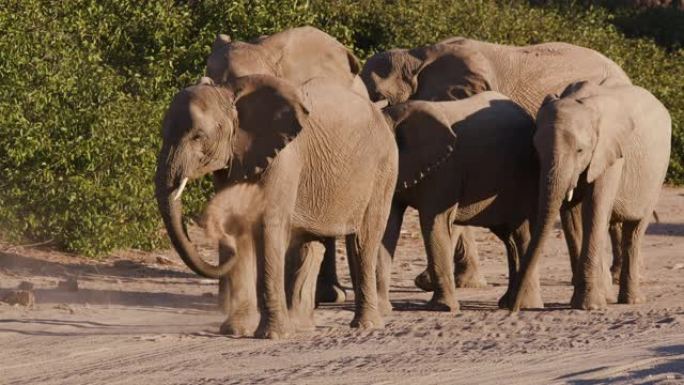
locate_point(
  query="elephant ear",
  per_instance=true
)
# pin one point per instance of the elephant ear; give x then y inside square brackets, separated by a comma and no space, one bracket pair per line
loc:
[612,130]
[270,115]
[424,138]
[452,72]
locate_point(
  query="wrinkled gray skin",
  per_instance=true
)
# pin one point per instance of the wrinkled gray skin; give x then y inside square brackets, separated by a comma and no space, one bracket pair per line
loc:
[298,55]
[457,68]
[321,140]
[466,162]
[604,152]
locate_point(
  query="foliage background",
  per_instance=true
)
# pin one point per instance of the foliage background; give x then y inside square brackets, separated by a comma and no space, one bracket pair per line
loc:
[84,84]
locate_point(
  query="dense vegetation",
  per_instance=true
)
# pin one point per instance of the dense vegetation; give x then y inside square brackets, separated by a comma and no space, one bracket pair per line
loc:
[84,84]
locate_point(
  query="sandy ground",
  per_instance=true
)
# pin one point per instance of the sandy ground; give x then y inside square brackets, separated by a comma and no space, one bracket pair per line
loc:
[136,320]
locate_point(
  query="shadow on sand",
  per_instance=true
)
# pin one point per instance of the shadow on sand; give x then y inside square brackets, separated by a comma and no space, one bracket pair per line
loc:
[669,365]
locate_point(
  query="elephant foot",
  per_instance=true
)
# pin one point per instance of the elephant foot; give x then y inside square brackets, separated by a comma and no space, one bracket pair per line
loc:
[384,307]
[369,319]
[464,279]
[275,331]
[443,304]
[588,299]
[631,298]
[330,293]
[424,282]
[240,326]
[529,301]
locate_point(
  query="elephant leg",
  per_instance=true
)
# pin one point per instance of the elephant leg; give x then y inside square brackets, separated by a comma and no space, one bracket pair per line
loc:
[630,291]
[466,266]
[220,179]
[366,312]
[521,238]
[571,221]
[364,247]
[386,255]
[275,320]
[224,284]
[516,243]
[328,288]
[615,231]
[303,265]
[590,292]
[439,247]
[240,295]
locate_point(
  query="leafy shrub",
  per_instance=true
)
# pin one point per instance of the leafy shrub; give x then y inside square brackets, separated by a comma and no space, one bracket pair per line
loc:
[84,84]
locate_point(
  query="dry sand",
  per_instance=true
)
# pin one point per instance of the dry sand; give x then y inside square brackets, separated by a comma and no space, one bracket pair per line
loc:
[138,319]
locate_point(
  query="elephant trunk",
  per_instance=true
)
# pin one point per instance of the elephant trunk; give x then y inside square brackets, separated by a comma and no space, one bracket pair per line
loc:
[168,187]
[554,188]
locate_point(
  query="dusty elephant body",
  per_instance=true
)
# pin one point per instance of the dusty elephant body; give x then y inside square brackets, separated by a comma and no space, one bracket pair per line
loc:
[298,55]
[457,68]
[301,146]
[604,152]
[466,162]
[233,219]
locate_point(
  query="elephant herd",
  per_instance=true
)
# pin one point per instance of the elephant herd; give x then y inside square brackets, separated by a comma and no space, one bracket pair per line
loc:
[306,145]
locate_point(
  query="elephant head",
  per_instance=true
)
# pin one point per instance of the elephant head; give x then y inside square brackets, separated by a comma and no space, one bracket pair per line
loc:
[240,127]
[233,59]
[444,71]
[579,136]
[424,138]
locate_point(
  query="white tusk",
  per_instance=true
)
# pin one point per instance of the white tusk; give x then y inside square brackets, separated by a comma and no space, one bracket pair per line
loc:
[180,189]
[569,196]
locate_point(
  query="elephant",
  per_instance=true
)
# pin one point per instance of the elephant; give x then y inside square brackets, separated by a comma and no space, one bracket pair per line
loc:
[303,147]
[231,219]
[465,162]
[298,55]
[604,152]
[456,68]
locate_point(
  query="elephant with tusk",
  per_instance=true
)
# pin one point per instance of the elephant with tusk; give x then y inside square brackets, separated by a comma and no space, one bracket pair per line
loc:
[297,55]
[604,152]
[301,146]
[457,68]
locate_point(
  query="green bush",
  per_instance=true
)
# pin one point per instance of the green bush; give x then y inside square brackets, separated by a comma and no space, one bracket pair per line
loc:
[84,84]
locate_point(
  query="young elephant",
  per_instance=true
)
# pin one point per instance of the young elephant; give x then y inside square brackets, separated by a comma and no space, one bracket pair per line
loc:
[457,68]
[233,218]
[297,55]
[466,162]
[301,147]
[604,152]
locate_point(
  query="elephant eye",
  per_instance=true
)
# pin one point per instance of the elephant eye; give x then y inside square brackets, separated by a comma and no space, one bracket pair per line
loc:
[579,150]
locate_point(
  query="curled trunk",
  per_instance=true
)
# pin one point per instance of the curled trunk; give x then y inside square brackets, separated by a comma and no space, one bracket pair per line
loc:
[172,213]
